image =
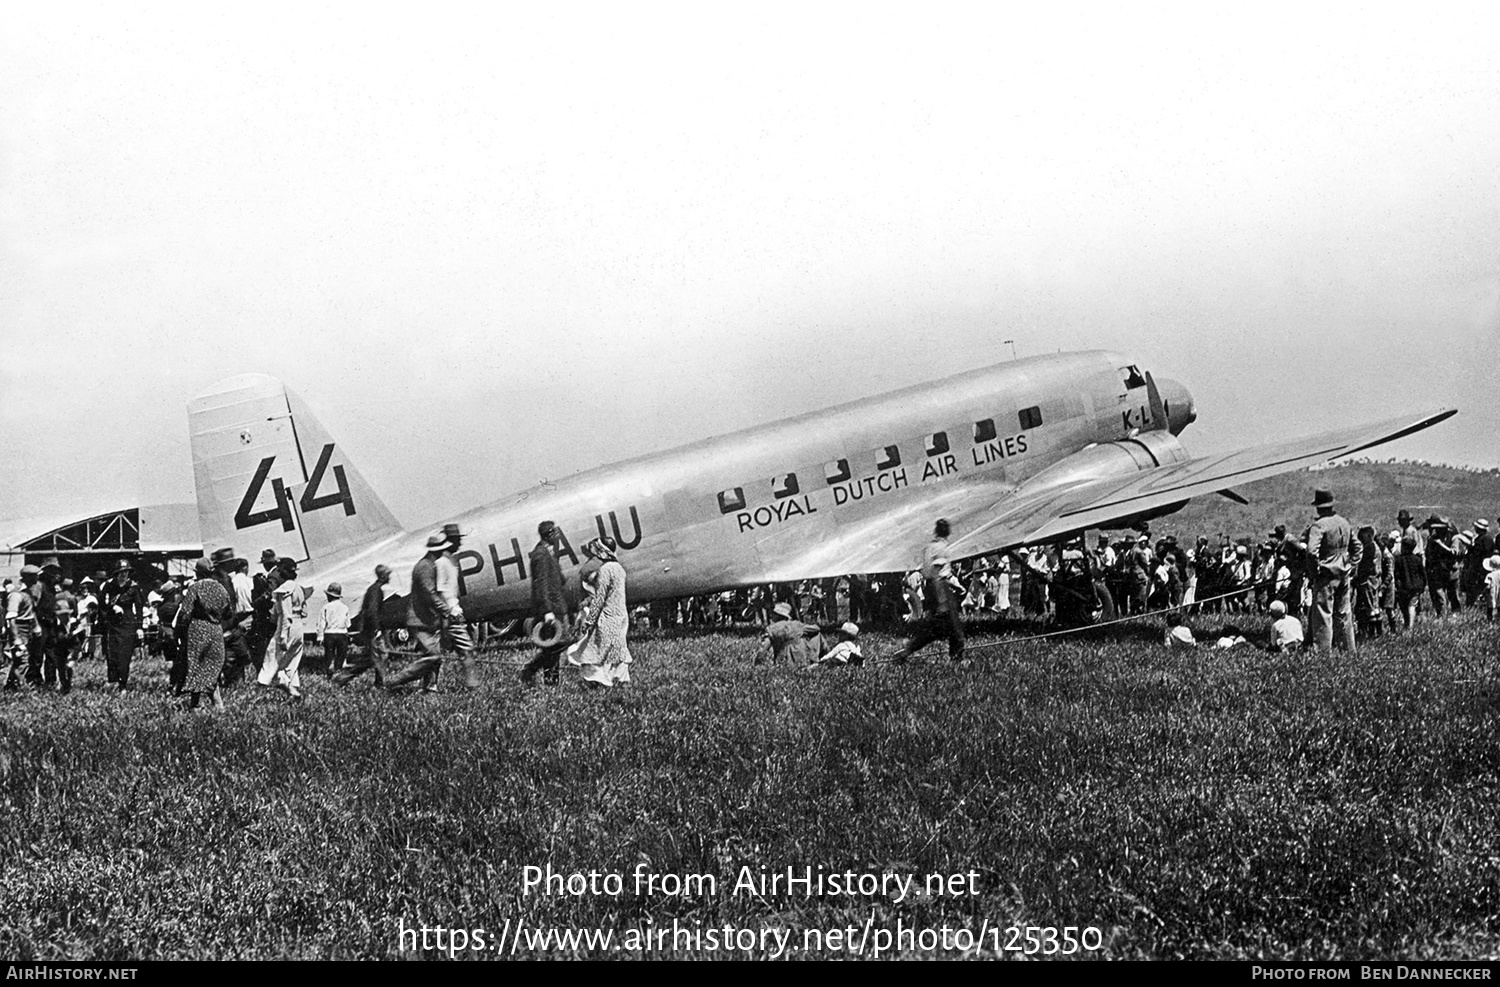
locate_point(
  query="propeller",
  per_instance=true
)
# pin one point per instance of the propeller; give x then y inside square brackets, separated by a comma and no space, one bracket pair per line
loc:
[1158,410]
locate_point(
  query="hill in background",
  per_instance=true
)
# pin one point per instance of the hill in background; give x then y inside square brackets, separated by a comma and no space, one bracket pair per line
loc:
[1365,492]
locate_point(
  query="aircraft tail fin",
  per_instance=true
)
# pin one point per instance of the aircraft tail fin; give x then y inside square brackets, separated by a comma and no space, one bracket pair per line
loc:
[269,475]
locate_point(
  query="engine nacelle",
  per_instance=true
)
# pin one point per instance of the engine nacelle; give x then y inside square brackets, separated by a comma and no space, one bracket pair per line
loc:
[1145,451]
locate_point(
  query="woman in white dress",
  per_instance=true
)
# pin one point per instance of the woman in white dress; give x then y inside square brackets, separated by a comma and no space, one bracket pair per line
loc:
[601,651]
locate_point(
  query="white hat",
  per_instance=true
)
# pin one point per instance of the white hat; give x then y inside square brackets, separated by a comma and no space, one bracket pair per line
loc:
[850,628]
[1278,608]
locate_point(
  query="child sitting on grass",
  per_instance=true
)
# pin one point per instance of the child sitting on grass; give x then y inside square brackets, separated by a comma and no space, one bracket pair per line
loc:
[846,651]
[1286,630]
[1178,635]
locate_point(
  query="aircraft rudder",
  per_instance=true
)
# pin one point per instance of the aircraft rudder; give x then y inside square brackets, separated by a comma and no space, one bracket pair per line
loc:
[268,475]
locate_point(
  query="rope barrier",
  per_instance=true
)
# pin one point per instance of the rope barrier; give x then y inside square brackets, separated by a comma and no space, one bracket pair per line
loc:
[1009,642]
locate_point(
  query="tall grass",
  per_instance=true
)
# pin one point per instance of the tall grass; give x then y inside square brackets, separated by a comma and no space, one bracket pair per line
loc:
[1200,804]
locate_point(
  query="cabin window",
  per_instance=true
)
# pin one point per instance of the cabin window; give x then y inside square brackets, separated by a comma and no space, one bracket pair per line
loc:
[1132,377]
[937,443]
[731,500]
[836,471]
[784,486]
[984,431]
[887,458]
[1031,418]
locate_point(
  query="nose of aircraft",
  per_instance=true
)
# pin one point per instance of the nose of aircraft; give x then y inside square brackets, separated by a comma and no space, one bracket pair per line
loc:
[1178,404]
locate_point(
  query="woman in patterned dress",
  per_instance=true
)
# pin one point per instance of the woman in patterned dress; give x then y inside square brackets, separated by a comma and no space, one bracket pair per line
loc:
[204,606]
[601,651]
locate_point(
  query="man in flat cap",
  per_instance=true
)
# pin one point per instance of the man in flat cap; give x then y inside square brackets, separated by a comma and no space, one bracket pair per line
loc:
[1328,570]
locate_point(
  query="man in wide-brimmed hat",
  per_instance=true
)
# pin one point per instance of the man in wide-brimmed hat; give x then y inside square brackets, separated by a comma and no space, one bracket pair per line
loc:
[122,607]
[791,640]
[1328,541]
[435,619]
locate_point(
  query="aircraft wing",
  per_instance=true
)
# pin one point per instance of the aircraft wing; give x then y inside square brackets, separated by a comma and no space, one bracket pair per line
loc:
[1050,514]
[986,517]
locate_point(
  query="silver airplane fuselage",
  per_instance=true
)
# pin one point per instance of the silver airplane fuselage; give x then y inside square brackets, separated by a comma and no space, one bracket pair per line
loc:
[750,507]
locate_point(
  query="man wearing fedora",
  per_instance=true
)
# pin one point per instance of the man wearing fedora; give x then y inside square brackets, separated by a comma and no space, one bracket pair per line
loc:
[432,611]
[1328,543]
[790,640]
[549,606]
[456,634]
[122,607]
[263,607]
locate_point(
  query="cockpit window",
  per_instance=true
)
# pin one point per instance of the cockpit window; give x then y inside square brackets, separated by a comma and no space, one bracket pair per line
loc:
[1132,377]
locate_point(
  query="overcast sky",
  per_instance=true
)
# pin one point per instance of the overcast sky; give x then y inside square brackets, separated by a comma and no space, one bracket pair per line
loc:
[491,245]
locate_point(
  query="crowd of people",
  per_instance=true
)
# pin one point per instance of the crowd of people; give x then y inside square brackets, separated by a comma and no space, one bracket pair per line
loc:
[225,625]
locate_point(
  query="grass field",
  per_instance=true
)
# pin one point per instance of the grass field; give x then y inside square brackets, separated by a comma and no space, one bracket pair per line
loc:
[1211,804]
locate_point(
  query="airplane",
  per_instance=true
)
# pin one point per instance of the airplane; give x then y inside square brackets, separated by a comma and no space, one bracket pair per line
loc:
[1021,453]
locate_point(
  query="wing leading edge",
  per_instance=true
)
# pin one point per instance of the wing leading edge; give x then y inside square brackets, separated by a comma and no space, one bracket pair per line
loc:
[1050,514]
[987,517]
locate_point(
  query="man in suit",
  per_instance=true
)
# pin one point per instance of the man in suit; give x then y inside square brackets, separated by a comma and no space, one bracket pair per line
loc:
[424,619]
[549,606]
[1329,571]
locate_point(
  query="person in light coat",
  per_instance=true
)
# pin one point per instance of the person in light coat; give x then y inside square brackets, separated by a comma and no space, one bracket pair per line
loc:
[601,651]
[290,607]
